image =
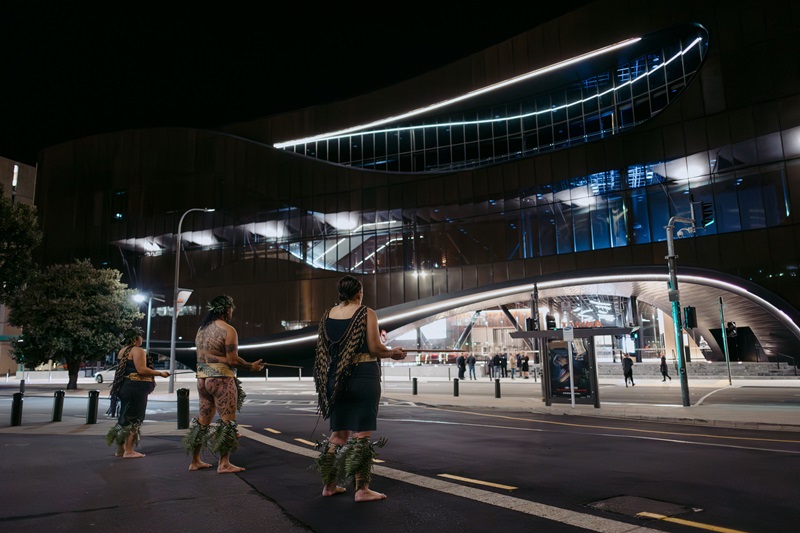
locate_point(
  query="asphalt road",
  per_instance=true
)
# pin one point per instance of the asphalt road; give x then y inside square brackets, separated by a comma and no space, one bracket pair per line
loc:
[467,469]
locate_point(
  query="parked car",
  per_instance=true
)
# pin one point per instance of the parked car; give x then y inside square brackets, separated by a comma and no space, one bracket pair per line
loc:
[106,374]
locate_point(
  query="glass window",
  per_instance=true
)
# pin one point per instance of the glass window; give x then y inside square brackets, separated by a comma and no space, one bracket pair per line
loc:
[658,203]
[547,229]
[726,205]
[601,234]
[640,221]
[617,216]
[751,204]
[582,223]
[774,189]
[563,223]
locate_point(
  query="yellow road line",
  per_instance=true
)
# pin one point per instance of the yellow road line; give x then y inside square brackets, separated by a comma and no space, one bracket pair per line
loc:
[689,523]
[478,482]
[304,441]
[271,430]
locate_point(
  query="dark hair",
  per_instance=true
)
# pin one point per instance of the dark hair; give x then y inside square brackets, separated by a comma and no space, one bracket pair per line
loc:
[131,334]
[348,287]
[218,308]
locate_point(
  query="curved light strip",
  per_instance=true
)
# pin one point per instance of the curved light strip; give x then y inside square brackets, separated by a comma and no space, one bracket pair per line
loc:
[472,94]
[431,309]
[643,76]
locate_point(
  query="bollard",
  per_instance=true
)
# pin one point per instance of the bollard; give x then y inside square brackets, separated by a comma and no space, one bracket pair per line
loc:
[266,374]
[16,409]
[22,386]
[496,388]
[58,405]
[414,386]
[299,374]
[455,387]
[91,410]
[183,408]
[409,373]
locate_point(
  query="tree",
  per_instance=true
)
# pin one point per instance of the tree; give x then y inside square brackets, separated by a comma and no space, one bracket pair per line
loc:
[74,313]
[19,235]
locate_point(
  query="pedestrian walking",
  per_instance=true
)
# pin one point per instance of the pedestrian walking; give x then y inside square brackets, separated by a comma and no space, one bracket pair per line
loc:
[664,369]
[627,369]
[512,365]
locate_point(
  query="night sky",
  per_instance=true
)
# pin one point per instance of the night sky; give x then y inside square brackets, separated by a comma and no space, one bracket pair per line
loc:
[70,71]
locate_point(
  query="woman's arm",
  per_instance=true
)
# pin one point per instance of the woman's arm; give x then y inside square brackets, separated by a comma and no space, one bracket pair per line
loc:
[374,344]
[140,362]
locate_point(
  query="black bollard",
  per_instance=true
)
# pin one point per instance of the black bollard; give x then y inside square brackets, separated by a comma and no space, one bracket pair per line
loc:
[22,386]
[496,388]
[455,387]
[16,409]
[58,405]
[183,408]
[414,386]
[91,410]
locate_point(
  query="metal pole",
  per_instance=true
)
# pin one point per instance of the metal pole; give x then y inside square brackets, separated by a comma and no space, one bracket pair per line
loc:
[149,311]
[725,340]
[674,298]
[175,299]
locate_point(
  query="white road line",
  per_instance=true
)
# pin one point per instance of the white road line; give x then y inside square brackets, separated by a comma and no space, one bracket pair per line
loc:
[548,512]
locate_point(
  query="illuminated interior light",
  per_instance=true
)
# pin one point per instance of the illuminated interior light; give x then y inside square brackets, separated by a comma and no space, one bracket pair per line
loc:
[14,178]
[472,94]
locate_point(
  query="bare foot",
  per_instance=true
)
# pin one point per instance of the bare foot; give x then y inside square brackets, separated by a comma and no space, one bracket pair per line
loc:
[132,455]
[199,465]
[229,469]
[367,495]
[332,490]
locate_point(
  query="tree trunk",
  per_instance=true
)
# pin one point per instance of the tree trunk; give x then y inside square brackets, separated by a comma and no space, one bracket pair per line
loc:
[73,367]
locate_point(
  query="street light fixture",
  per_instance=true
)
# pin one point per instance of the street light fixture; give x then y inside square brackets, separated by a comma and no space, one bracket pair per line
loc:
[149,296]
[175,297]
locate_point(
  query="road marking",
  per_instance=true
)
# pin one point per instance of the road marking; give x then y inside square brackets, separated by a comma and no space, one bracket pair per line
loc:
[644,437]
[272,430]
[304,441]
[548,512]
[690,523]
[632,430]
[478,482]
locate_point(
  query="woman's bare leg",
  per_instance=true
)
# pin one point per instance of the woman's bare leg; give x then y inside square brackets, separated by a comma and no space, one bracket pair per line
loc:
[365,494]
[337,438]
[129,452]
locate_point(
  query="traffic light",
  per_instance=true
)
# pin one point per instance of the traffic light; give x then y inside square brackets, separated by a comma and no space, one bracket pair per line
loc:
[689,317]
[731,329]
[702,213]
[551,322]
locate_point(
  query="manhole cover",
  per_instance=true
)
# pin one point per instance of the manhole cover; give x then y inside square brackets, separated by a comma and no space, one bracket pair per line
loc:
[633,505]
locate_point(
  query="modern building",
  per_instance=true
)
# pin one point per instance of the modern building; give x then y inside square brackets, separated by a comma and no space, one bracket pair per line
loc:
[548,171]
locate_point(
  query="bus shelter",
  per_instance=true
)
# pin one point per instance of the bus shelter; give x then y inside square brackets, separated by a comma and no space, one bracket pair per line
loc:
[569,367]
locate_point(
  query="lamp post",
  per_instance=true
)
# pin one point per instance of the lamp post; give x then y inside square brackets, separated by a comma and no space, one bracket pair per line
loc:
[149,296]
[175,297]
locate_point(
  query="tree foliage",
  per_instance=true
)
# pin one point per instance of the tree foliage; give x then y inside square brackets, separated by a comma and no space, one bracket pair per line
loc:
[19,235]
[74,313]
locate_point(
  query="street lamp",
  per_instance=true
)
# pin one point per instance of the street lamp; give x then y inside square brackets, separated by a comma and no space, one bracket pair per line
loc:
[175,297]
[149,296]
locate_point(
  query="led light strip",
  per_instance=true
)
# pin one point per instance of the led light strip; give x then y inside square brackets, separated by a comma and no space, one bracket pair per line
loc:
[427,310]
[472,94]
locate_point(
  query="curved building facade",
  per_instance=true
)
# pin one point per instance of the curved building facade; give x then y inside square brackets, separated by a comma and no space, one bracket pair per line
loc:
[557,156]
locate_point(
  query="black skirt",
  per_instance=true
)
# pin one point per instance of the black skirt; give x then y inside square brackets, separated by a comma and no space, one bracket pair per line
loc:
[356,409]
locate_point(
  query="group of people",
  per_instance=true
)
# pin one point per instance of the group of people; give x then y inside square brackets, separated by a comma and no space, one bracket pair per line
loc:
[346,376]
[501,365]
[463,362]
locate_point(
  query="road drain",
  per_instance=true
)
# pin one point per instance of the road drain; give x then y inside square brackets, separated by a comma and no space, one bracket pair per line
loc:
[633,505]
